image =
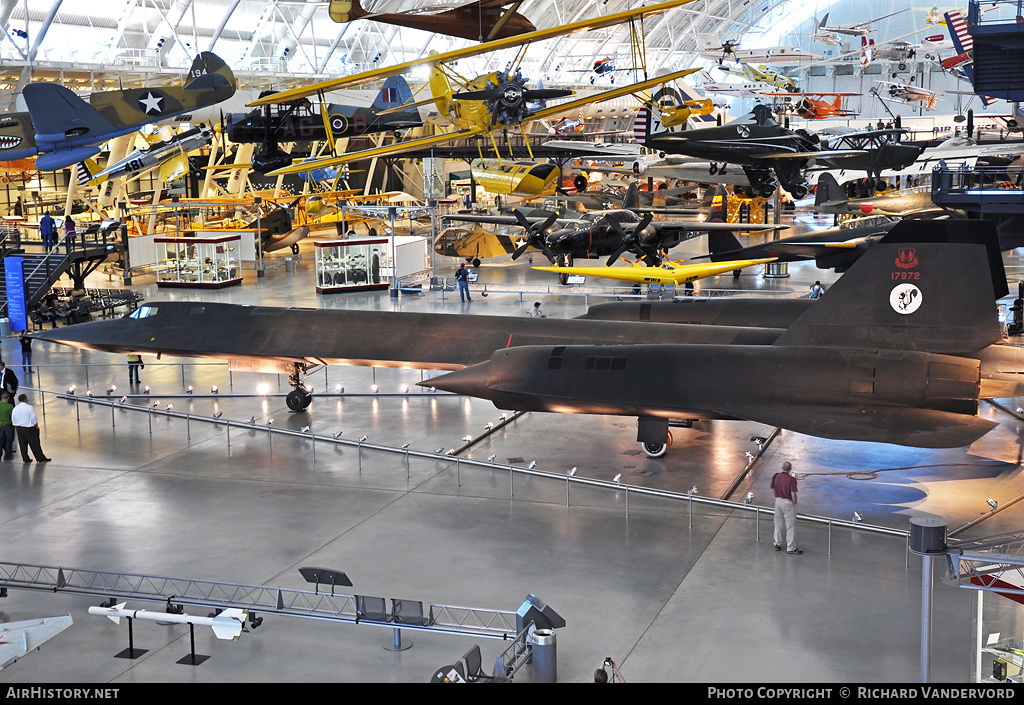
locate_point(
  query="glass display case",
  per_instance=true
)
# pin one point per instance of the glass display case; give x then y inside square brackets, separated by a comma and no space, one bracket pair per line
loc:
[351,265]
[202,262]
[998,630]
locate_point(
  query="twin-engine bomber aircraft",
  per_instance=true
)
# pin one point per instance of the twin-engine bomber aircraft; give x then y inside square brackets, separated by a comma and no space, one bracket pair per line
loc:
[899,350]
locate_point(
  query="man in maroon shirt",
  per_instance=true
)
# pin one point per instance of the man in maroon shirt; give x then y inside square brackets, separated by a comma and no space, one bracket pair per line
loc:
[784,486]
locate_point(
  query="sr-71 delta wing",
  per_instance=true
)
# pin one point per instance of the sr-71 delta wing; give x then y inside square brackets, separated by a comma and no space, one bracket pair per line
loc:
[64,129]
[899,350]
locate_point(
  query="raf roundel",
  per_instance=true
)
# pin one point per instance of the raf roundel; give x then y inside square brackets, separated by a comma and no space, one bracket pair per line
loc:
[905,299]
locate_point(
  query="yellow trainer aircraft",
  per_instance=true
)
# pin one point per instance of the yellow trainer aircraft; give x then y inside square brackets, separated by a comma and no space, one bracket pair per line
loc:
[488,103]
[669,273]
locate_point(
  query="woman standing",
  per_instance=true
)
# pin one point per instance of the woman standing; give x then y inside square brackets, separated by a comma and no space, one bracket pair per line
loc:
[70,233]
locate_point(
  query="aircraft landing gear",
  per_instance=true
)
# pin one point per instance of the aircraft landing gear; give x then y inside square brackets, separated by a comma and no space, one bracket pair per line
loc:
[564,261]
[476,262]
[298,399]
[657,450]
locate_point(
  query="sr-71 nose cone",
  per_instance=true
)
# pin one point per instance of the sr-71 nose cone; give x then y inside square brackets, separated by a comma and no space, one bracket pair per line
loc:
[469,381]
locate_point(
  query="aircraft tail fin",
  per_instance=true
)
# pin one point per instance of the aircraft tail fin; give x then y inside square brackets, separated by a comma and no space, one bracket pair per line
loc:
[958,33]
[829,191]
[642,126]
[824,21]
[632,197]
[927,286]
[208,71]
[346,10]
[393,94]
[719,206]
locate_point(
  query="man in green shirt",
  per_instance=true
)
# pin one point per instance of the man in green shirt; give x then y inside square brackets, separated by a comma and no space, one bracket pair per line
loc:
[6,427]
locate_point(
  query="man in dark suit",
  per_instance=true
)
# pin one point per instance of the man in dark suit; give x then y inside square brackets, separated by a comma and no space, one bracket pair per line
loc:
[8,380]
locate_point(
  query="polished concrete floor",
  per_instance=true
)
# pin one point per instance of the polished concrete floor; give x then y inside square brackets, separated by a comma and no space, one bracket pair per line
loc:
[669,598]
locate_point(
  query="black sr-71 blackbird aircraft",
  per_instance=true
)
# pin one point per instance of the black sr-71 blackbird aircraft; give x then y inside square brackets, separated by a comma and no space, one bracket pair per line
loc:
[610,233]
[899,350]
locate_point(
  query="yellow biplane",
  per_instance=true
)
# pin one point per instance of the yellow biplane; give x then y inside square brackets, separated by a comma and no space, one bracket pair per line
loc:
[490,103]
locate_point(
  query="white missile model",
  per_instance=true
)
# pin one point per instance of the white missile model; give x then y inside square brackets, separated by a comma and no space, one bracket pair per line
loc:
[19,638]
[226,625]
[156,154]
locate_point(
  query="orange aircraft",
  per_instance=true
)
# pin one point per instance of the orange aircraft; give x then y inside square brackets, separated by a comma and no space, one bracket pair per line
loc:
[816,107]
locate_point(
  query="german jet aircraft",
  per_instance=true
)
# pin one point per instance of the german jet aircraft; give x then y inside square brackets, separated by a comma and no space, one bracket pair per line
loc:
[64,129]
[899,350]
[757,143]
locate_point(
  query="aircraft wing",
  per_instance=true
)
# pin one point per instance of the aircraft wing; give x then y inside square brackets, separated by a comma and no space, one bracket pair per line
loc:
[608,95]
[383,151]
[922,428]
[18,638]
[611,20]
[496,219]
[57,112]
[674,274]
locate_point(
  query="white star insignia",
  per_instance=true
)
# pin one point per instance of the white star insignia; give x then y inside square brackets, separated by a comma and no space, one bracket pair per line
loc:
[151,103]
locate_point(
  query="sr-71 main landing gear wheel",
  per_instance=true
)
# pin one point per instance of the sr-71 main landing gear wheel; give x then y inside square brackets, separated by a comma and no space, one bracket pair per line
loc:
[657,450]
[298,399]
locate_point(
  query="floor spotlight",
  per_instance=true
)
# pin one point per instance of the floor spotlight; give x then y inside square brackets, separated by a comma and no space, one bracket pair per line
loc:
[404,389]
[337,434]
[992,503]
[749,498]
[532,465]
[112,389]
[270,422]
[262,389]
[362,439]
[438,451]
[146,390]
[617,479]
[304,429]
[450,451]
[72,388]
[572,472]
[489,426]
[338,389]
[750,456]
[168,407]
[467,438]
[122,400]
[218,414]
[491,458]
[374,388]
[693,490]
[156,404]
[857,517]
[189,390]
[405,446]
[214,390]
[252,420]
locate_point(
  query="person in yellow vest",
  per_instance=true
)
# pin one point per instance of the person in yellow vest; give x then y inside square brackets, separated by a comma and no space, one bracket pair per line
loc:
[134,365]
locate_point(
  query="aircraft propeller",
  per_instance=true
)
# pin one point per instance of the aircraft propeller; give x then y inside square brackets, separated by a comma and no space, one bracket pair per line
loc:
[508,98]
[630,242]
[534,234]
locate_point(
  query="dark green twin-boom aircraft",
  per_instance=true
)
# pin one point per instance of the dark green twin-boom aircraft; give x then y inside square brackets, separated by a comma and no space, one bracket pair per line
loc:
[64,129]
[899,350]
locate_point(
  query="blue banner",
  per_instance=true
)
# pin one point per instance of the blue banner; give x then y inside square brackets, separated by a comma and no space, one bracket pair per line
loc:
[14,278]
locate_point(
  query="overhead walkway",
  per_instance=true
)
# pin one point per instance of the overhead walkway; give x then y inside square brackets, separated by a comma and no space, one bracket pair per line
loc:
[997,29]
[989,193]
[41,269]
